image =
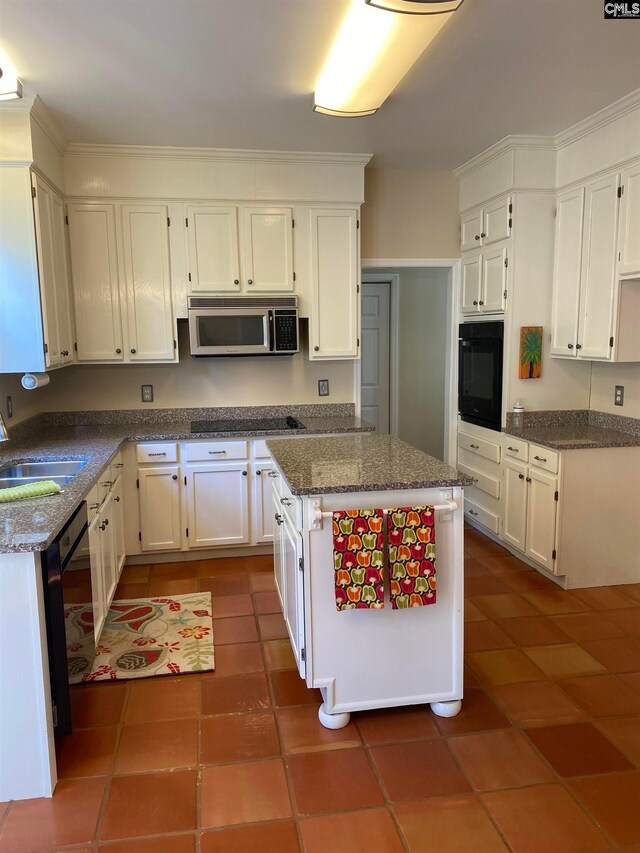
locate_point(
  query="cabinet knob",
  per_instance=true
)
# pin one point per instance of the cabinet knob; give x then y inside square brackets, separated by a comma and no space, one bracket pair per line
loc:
[528,479]
[578,346]
[236,281]
[259,473]
[521,476]
[133,352]
[477,236]
[249,281]
[569,346]
[102,526]
[475,301]
[106,522]
[481,302]
[118,351]
[482,234]
[316,349]
[279,518]
[174,476]
[117,499]
[244,473]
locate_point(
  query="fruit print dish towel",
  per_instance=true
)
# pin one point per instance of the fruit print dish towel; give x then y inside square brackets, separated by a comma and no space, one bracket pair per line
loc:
[359,548]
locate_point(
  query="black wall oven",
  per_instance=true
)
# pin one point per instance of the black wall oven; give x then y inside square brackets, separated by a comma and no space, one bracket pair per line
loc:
[480,348]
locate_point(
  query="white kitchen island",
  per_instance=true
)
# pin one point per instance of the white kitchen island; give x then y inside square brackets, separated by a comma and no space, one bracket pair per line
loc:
[363,659]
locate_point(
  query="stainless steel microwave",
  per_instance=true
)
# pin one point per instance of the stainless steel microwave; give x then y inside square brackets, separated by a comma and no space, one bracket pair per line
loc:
[236,325]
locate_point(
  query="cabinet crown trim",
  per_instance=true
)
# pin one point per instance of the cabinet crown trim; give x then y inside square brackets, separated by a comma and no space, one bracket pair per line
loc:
[81,149]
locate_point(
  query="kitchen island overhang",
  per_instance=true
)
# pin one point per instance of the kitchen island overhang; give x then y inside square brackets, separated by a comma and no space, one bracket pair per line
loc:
[362,659]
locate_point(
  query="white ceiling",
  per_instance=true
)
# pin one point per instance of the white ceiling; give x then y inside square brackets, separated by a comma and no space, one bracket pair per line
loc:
[240,73]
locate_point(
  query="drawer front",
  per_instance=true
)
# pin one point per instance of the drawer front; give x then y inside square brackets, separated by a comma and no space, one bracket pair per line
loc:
[544,458]
[480,446]
[157,452]
[484,482]
[260,450]
[212,451]
[516,448]
[475,512]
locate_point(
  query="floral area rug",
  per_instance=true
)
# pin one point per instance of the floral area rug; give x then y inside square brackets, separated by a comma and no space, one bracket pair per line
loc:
[141,637]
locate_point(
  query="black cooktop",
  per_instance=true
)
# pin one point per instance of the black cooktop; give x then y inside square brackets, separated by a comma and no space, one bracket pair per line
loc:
[247,425]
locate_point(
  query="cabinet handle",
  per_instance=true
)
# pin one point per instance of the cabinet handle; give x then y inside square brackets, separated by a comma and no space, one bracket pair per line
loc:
[513,449]
[279,518]
[540,458]
[245,474]
[273,473]
[474,480]
[474,446]
[483,234]
[481,302]
[94,506]
[107,484]
[117,499]
[174,476]
[133,352]
[118,351]
[249,281]
[578,346]
[236,281]
[65,352]
[285,501]
[521,476]
[216,452]
[477,236]
[156,454]
[569,346]
[118,464]
[316,349]
[528,479]
[472,512]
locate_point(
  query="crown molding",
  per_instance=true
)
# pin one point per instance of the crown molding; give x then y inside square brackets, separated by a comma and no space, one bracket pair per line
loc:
[47,123]
[157,152]
[512,142]
[603,117]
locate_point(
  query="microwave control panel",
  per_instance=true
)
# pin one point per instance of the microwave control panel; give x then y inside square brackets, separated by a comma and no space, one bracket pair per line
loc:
[286,330]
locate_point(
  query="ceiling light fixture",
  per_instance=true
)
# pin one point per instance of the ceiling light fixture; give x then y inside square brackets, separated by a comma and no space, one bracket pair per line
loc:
[372,52]
[417,7]
[10,85]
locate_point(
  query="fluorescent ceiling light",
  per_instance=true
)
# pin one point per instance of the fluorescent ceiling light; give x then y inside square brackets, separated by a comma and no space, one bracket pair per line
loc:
[417,7]
[372,52]
[10,85]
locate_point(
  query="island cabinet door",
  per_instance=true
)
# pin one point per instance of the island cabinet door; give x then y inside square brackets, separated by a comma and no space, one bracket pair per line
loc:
[515,503]
[541,518]
[97,578]
[217,504]
[278,548]
[262,512]
[294,593]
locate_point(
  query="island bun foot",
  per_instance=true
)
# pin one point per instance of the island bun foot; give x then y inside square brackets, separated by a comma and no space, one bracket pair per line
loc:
[332,721]
[446,709]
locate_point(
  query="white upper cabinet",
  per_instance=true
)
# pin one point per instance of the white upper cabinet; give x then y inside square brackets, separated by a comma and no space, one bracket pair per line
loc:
[214,255]
[629,229]
[264,243]
[122,282]
[94,268]
[471,282]
[489,225]
[484,281]
[334,323]
[268,249]
[148,282]
[586,296]
[566,272]
[53,272]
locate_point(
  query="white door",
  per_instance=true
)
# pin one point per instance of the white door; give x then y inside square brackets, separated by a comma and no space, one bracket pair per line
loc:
[94,268]
[160,508]
[494,279]
[497,222]
[108,551]
[64,310]
[470,230]
[598,281]
[148,281]
[278,548]
[97,579]
[118,527]
[375,355]
[629,231]
[335,274]
[262,509]
[268,249]
[294,596]
[43,210]
[214,257]
[566,272]
[515,503]
[541,517]
[217,504]
[471,281]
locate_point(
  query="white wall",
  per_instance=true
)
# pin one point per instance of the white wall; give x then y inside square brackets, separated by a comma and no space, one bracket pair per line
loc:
[604,378]
[25,403]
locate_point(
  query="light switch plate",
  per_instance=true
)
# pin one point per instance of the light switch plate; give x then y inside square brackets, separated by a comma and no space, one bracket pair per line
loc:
[147,393]
[323,387]
[618,397]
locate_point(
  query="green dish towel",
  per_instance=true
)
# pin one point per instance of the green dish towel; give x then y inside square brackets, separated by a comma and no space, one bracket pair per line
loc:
[32,490]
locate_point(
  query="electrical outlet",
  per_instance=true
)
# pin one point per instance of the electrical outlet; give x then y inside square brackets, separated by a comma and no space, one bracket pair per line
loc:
[147,393]
[9,406]
[323,387]
[618,397]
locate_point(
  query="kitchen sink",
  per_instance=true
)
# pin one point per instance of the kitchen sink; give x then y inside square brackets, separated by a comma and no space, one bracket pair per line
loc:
[22,473]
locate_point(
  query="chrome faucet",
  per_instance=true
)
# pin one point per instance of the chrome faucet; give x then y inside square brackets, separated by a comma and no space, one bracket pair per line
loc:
[4,432]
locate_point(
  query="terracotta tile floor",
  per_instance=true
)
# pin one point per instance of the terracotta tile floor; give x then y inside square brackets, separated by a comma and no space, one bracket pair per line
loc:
[545,755]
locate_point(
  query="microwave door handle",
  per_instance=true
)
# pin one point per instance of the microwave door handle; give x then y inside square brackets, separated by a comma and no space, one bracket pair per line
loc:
[271,332]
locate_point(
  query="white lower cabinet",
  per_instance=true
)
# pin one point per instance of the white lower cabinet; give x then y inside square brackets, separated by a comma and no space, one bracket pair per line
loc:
[278,557]
[97,580]
[160,523]
[106,550]
[530,511]
[261,505]
[479,456]
[217,504]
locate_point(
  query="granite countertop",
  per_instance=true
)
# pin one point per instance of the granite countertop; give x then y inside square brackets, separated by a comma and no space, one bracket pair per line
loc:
[359,463]
[31,525]
[576,430]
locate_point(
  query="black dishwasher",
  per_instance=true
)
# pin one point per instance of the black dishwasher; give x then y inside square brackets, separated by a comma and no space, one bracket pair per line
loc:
[70,545]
